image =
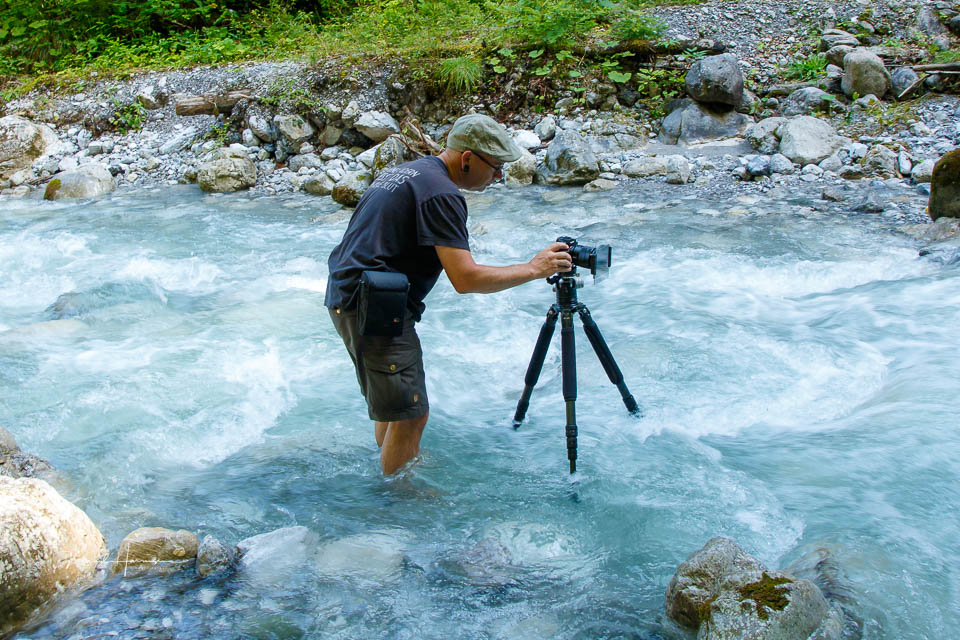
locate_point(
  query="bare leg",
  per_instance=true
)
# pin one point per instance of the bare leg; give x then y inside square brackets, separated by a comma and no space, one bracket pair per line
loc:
[380,430]
[401,443]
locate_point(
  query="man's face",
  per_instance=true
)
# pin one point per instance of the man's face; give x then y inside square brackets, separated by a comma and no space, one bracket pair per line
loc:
[484,171]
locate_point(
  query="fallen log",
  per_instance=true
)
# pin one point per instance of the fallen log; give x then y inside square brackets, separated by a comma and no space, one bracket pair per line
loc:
[209,103]
[946,66]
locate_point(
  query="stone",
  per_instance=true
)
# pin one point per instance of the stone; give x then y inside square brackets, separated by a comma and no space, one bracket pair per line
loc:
[645,167]
[22,142]
[904,163]
[954,24]
[331,135]
[857,151]
[350,188]
[600,184]
[831,163]
[921,130]
[806,101]
[17,464]
[230,172]
[526,139]
[88,181]
[46,545]
[155,551]
[880,161]
[759,166]
[833,37]
[376,125]
[697,124]
[614,143]
[350,112]
[568,161]
[304,160]
[293,129]
[8,444]
[867,102]
[546,128]
[836,193]
[864,73]
[929,22]
[851,172]
[213,557]
[763,135]
[780,163]
[944,199]
[319,185]
[806,140]
[150,98]
[390,153]
[678,170]
[716,80]
[179,141]
[521,171]
[901,79]
[872,202]
[923,172]
[368,158]
[835,55]
[261,128]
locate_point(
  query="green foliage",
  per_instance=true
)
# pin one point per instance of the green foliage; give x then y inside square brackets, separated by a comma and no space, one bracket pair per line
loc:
[807,68]
[129,117]
[552,22]
[285,94]
[943,57]
[657,86]
[460,75]
[635,25]
[219,133]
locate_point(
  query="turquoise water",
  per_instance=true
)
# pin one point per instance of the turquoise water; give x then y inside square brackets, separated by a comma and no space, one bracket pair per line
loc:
[169,352]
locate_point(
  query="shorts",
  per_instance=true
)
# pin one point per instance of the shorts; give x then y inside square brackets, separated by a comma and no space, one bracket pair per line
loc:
[389,370]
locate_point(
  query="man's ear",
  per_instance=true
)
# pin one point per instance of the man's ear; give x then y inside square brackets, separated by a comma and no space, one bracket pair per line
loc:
[464,167]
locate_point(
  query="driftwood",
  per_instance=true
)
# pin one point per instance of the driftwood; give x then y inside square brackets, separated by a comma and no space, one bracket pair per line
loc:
[653,49]
[209,103]
[411,125]
[946,66]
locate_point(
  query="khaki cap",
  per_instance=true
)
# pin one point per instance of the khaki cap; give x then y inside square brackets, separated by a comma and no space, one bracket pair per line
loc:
[476,132]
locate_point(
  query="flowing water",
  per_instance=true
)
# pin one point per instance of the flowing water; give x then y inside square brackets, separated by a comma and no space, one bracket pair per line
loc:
[170,354]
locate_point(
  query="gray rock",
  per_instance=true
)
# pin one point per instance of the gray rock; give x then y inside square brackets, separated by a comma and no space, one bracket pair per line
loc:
[8,444]
[66,164]
[645,167]
[22,142]
[763,135]
[836,54]
[696,124]
[923,172]
[521,171]
[526,139]
[614,143]
[945,187]
[759,166]
[934,82]
[857,151]
[716,79]
[864,73]
[600,184]
[179,141]
[231,171]
[837,193]
[866,102]
[331,135]
[369,157]
[678,170]
[854,172]
[319,185]
[929,22]
[261,128]
[155,551]
[831,163]
[872,202]
[88,181]
[568,161]
[376,125]
[390,153]
[904,163]
[901,79]
[309,160]
[833,37]
[350,112]
[351,187]
[954,24]
[213,557]
[293,129]
[880,161]
[806,101]
[150,97]
[16,464]
[546,128]
[249,139]
[807,140]
[780,163]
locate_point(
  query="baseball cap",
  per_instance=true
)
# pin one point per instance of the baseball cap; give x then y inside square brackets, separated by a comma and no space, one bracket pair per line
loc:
[478,132]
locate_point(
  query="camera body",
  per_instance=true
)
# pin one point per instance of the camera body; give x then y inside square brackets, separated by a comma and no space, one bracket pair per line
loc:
[596,259]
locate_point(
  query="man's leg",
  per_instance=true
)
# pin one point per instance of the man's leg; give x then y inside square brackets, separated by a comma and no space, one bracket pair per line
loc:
[401,442]
[380,430]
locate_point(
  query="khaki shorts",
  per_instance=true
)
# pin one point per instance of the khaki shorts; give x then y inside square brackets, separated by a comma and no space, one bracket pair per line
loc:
[389,370]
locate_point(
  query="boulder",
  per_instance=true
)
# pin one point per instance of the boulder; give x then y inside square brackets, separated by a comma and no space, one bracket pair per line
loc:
[864,74]
[213,557]
[880,161]
[150,97]
[293,129]
[260,127]
[763,135]
[695,123]
[716,80]
[929,22]
[835,55]
[834,37]
[600,184]
[945,187]
[350,112]
[646,167]
[22,142]
[568,161]
[546,128]
[390,153]
[308,160]
[954,24]
[808,140]
[231,171]
[154,550]
[46,545]
[526,139]
[88,181]
[901,79]
[376,125]
[678,170]
[923,172]
[319,185]
[760,166]
[521,171]
[780,163]
[331,135]
[350,188]
[806,101]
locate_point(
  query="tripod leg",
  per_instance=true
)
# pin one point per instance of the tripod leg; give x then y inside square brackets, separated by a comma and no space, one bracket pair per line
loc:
[536,364]
[606,358]
[569,360]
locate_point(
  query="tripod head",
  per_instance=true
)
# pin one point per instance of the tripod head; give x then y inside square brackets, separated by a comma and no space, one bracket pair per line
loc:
[596,259]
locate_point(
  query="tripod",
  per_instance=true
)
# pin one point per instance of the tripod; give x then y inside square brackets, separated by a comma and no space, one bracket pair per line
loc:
[566,285]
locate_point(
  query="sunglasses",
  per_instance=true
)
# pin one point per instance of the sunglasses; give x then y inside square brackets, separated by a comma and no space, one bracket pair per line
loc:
[496,168]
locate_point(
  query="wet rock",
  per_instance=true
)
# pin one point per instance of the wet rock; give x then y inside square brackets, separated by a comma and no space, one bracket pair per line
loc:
[319,185]
[864,73]
[678,170]
[716,80]
[806,101]
[213,557]
[763,135]
[376,125]
[46,545]
[600,184]
[872,202]
[834,37]
[521,171]
[351,187]
[645,167]
[155,550]
[374,555]
[546,128]
[923,172]
[696,124]
[231,171]
[568,161]
[22,142]
[88,181]
[944,199]
[880,161]
[8,444]
[837,193]
[17,464]
[806,140]
[901,79]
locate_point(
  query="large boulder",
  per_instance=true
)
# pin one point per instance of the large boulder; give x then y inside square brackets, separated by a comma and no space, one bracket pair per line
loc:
[945,187]
[568,161]
[806,101]
[390,153]
[808,140]
[716,80]
[763,135]
[521,171]
[232,170]
[46,545]
[22,142]
[646,167]
[88,181]
[376,125]
[154,550]
[864,74]
[697,124]
[350,188]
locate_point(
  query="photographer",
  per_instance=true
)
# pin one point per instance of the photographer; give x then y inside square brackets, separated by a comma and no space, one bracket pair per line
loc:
[411,223]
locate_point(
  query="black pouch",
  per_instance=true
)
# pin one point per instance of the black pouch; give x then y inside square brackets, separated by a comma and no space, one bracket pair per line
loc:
[383,303]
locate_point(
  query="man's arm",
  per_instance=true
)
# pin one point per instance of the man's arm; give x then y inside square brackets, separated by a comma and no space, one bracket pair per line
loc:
[469,277]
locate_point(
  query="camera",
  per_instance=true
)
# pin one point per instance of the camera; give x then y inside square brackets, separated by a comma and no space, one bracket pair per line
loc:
[596,259]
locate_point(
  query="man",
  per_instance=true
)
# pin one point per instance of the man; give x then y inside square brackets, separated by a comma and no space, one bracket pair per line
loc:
[413,220]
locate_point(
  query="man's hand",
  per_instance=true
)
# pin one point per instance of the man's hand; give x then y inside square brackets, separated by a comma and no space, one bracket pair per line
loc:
[551,260]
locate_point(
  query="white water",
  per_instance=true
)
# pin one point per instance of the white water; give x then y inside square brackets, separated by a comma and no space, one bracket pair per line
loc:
[169,352]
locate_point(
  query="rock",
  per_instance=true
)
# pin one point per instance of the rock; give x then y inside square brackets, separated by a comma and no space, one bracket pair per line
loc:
[22,142]
[904,163]
[88,181]
[872,202]
[867,102]
[368,158]
[901,79]
[857,151]
[319,185]
[941,229]
[179,141]
[716,80]
[274,557]
[836,193]
[231,171]
[678,170]
[831,163]
[645,167]
[864,73]
[759,166]
[923,172]
[521,171]
[934,82]
[614,143]
[390,153]
[954,24]
[851,172]
[568,161]
[308,160]
[806,140]
[17,464]
[376,125]
[293,129]
[526,139]
[8,444]
[261,128]
[150,98]
[350,188]
[350,112]
[780,163]
[835,55]
[929,22]
[331,135]
[154,550]
[696,124]
[600,184]
[546,128]
[833,37]
[213,557]
[66,164]
[880,161]
[806,101]
[46,545]
[945,187]
[763,135]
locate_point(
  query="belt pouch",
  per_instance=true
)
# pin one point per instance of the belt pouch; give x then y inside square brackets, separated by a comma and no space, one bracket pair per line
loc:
[383,303]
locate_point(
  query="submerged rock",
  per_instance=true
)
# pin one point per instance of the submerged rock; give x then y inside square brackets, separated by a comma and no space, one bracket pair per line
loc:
[213,557]
[155,550]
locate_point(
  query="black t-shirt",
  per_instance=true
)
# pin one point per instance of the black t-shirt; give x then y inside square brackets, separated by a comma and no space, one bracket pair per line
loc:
[406,212]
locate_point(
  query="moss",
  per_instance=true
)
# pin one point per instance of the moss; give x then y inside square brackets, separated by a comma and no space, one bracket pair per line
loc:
[51,190]
[703,611]
[767,594]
